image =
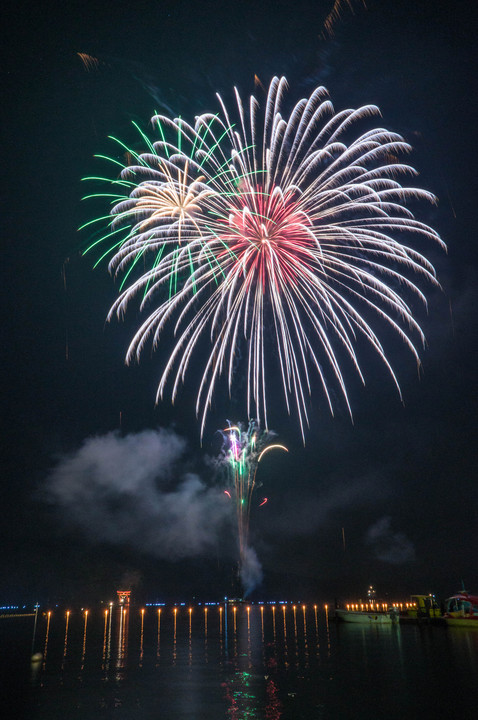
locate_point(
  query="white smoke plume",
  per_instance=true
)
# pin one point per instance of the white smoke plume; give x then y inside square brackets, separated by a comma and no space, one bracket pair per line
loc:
[251,571]
[135,490]
[389,546]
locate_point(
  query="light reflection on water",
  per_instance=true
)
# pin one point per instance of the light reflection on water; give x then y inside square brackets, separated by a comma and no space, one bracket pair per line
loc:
[278,663]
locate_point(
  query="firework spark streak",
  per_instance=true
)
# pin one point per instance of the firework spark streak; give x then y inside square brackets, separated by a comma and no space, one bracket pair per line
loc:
[335,14]
[289,235]
[241,453]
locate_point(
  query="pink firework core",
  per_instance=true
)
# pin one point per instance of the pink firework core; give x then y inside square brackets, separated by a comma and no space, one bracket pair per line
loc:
[268,235]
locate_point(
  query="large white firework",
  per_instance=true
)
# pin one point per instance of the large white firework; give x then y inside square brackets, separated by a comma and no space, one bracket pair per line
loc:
[291,236]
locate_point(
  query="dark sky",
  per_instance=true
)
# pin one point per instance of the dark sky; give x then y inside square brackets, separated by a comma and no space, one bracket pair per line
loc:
[400,480]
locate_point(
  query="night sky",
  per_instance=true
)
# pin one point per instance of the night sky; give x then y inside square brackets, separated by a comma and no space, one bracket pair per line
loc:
[76,518]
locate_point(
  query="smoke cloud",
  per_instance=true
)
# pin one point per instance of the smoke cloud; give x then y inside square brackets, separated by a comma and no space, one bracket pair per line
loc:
[251,570]
[136,490]
[390,547]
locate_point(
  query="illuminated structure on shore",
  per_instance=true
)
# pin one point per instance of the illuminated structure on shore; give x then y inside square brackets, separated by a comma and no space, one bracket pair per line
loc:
[124,596]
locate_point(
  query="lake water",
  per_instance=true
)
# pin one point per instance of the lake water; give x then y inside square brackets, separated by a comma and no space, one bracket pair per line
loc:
[272,663]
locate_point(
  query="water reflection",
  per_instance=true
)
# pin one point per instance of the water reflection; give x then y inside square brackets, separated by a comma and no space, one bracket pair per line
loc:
[175,650]
[190,648]
[245,688]
[106,656]
[83,650]
[268,661]
[104,639]
[327,626]
[45,646]
[464,645]
[286,648]
[306,644]
[122,643]
[141,639]
[206,656]
[65,641]
[296,640]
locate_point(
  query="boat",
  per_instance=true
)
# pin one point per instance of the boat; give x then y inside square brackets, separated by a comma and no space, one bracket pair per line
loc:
[422,607]
[461,610]
[388,617]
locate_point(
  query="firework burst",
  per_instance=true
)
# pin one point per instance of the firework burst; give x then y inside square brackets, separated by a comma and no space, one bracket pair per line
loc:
[290,235]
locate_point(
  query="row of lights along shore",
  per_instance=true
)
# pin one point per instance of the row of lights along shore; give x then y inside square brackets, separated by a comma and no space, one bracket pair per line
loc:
[124,601]
[379,607]
[175,608]
[206,606]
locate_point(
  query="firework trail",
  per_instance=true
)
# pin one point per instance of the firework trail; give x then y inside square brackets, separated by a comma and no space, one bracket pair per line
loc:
[335,14]
[89,62]
[241,454]
[289,235]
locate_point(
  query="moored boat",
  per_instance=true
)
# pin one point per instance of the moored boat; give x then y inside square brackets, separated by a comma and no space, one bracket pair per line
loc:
[423,607]
[367,618]
[461,610]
